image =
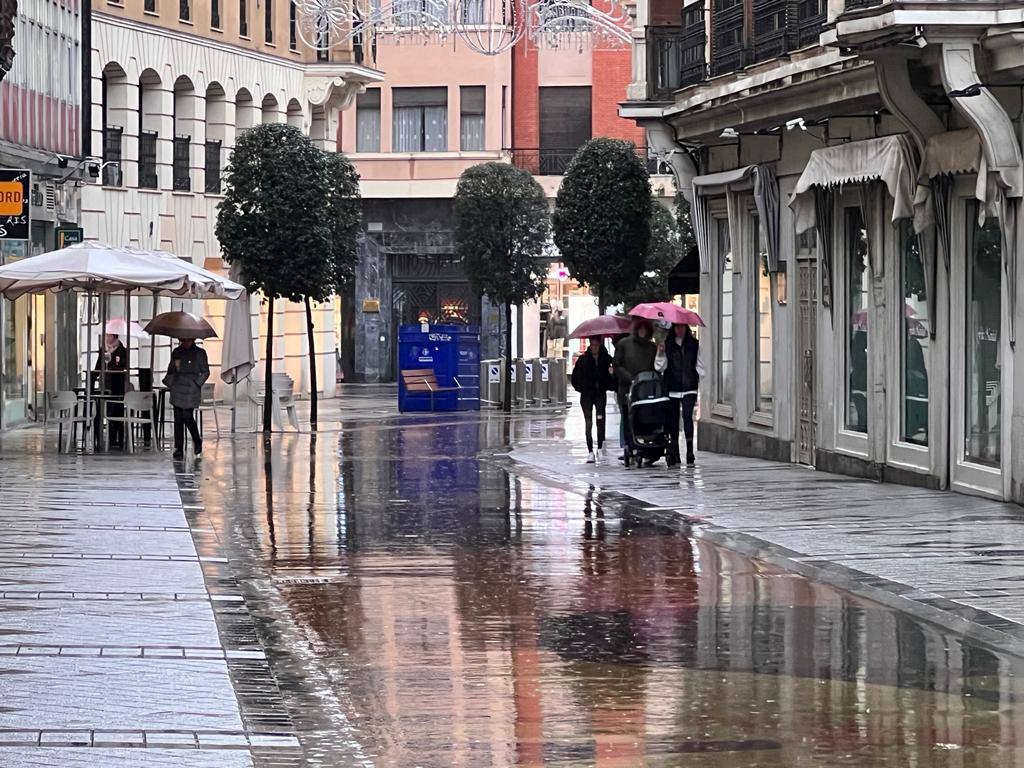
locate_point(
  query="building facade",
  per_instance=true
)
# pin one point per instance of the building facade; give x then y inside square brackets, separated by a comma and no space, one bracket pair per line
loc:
[854,170]
[173,85]
[41,133]
[439,110]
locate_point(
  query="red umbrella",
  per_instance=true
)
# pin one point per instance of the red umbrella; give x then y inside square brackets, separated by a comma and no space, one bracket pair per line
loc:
[667,312]
[605,325]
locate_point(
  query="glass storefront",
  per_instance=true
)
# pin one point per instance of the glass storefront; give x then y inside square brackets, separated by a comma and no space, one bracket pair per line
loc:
[764,395]
[14,379]
[983,385]
[857,288]
[726,383]
[916,336]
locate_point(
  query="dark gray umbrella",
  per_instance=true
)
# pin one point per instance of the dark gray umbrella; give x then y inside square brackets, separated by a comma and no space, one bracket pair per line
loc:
[180,325]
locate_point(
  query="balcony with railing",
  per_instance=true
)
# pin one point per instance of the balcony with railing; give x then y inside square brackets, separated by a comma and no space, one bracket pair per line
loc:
[678,53]
[729,50]
[555,162]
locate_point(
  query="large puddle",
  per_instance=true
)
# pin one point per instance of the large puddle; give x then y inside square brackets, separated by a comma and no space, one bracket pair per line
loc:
[423,607]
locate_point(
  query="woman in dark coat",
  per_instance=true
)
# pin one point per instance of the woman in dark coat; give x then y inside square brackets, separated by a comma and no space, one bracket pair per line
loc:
[112,366]
[188,371]
[592,378]
[682,378]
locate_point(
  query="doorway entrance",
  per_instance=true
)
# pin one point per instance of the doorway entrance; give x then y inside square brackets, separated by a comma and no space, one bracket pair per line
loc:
[807,307]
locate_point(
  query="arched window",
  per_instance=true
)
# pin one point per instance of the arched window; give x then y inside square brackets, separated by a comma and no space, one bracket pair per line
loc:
[216,127]
[115,124]
[271,110]
[294,114]
[151,94]
[245,111]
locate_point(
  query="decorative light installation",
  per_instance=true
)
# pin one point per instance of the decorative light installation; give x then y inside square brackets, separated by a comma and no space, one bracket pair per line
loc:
[489,27]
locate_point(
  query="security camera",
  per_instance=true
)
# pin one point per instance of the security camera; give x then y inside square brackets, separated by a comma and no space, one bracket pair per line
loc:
[796,123]
[730,133]
[94,170]
[62,160]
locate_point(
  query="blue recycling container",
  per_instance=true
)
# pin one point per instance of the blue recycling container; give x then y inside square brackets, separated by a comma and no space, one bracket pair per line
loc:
[452,352]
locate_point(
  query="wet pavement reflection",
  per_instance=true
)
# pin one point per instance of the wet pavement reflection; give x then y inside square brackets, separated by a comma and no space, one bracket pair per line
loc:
[422,604]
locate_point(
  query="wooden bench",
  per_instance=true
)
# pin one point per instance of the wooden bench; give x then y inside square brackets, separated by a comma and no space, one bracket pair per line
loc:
[421,380]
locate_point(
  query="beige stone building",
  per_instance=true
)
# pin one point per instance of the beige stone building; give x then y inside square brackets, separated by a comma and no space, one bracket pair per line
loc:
[173,84]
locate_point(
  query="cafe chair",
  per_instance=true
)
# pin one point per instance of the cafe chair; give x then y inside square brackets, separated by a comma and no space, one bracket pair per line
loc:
[208,403]
[66,411]
[138,412]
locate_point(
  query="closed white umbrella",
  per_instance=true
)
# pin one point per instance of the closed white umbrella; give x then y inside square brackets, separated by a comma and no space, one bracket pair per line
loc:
[237,358]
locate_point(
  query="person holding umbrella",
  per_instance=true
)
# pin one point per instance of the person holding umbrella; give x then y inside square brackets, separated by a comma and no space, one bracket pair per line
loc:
[188,371]
[592,378]
[112,367]
[635,354]
[683,369]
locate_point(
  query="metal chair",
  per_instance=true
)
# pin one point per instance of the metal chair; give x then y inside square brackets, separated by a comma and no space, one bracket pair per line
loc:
[138,412]
[208,403]
[64,409]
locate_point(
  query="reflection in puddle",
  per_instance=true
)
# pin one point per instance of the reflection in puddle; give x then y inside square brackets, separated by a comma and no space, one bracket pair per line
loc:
[456,615]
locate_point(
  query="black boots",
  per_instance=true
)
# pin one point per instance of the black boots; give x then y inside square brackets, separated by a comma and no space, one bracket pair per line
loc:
[690,458]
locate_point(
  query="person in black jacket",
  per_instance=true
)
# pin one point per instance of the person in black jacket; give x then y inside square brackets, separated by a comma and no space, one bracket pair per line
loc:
[592,378]
[682,378]
[111,373]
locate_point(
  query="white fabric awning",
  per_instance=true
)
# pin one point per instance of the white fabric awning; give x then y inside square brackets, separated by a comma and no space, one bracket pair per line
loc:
[766,198]
[889,159]
[952,154]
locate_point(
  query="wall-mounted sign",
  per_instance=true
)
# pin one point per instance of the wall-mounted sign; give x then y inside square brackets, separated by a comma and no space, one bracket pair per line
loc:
[371,305]
[66,236]
[15,218]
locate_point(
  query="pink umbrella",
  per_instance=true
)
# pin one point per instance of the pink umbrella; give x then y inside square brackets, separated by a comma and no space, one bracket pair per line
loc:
[605,325]
[667,312]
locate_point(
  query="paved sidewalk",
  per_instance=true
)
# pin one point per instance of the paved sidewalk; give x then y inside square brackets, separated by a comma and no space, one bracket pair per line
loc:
[950,557]
[109,647]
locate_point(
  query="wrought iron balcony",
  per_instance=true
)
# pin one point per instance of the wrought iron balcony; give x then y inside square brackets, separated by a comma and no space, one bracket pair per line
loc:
[678,53]
[775,28]
[851,4]
[554,162]
[810,20]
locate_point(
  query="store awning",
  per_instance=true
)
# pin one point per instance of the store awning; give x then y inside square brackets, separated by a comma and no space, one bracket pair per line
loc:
[889,159]
[766,198]
[952,154]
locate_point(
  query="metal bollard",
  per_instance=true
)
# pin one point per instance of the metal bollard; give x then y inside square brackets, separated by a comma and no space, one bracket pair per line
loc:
[491,382]
[542,386]
[559,381]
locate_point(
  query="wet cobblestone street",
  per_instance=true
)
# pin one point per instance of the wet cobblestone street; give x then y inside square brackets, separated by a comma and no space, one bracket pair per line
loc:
[407,591]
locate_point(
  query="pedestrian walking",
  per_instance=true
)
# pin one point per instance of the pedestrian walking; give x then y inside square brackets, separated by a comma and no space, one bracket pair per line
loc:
[683,369]
[633,354]
[186,374]
[592,378]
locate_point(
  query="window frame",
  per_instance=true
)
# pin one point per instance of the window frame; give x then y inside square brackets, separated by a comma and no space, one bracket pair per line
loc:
[268,22]
[395,112]
[369,108]
[463,114]
[758,267]
[718,214]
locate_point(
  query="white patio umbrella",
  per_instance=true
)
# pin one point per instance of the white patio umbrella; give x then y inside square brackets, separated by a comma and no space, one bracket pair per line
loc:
[237,357]
[119,326]
[93,267]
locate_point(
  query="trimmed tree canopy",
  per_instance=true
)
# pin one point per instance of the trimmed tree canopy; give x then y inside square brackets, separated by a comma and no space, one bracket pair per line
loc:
[501,230]
[602,215]
[272,221]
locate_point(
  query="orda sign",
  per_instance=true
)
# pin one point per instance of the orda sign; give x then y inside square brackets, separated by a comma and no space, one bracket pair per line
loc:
[14,206]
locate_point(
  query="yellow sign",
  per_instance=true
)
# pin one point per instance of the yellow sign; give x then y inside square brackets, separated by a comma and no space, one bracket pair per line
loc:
[371,305]
[12,198]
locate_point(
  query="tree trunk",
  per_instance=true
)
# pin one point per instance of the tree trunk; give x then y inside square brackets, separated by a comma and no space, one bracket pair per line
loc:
[268,369]
[507,404]
[601,305]
[312,366]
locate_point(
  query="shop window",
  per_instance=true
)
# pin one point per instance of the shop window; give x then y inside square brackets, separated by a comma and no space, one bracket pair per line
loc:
[763,348]
[857,286]
[726,382]
[472,107]
[984,311]
[368,121]
[915,339]
[419,121]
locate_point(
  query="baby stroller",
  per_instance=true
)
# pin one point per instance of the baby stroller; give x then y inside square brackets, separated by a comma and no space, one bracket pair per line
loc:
[648,439]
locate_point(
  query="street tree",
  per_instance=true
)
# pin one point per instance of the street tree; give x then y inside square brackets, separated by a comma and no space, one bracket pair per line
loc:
[501,233]
[671,240]
[602,216]
[271,222]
